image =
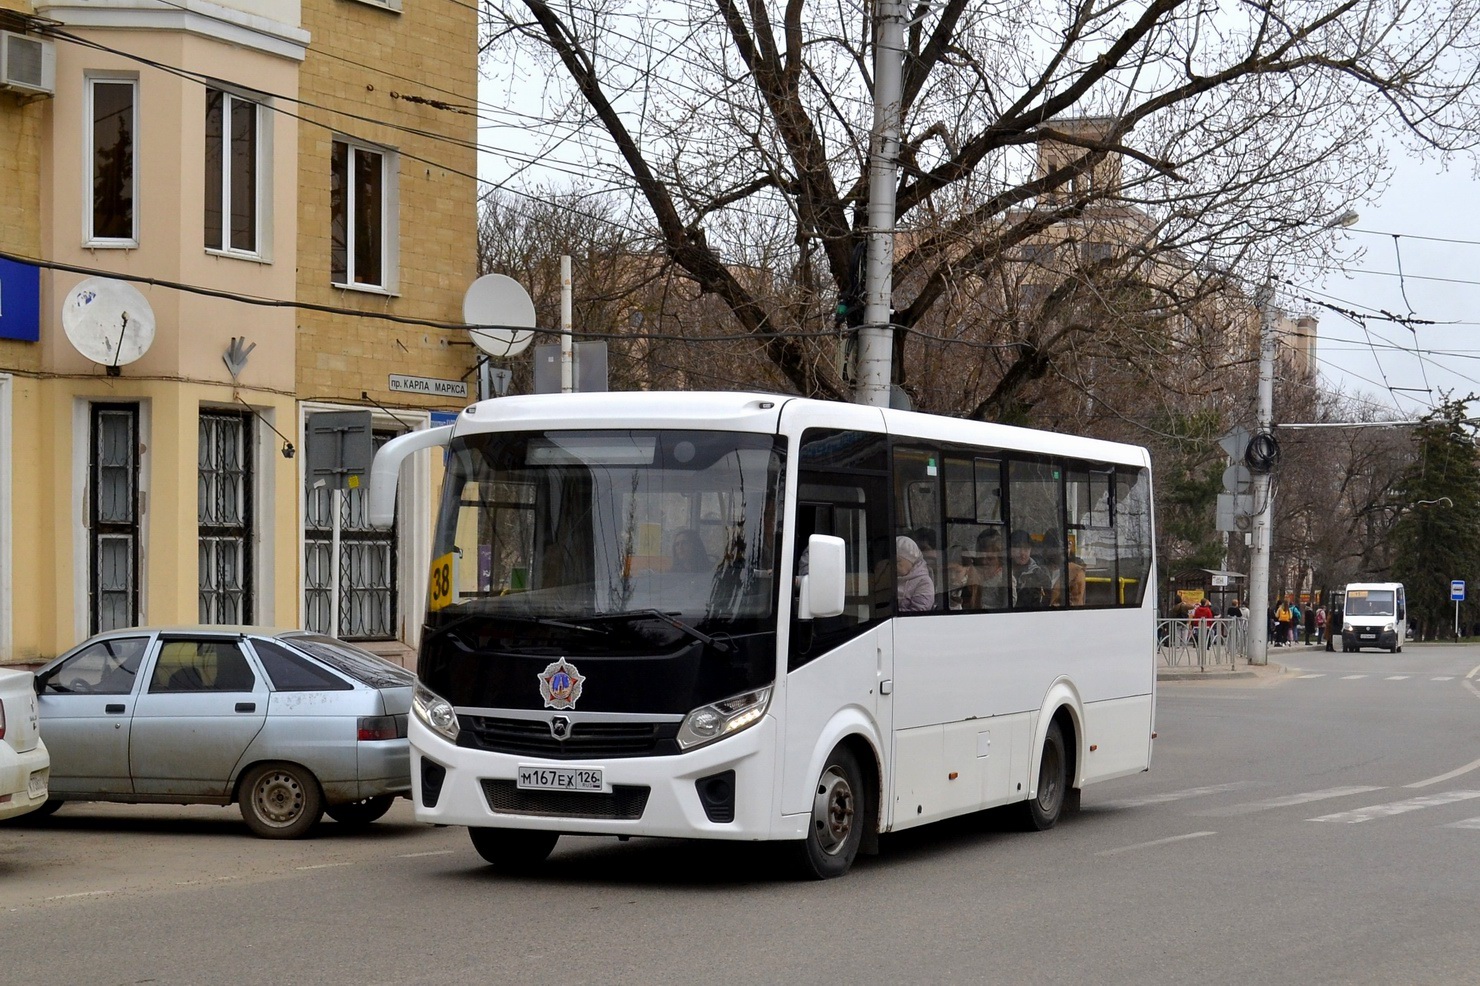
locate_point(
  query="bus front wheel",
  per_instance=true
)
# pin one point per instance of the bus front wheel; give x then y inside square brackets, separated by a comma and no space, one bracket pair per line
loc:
[513,850]
[1042,811]
[838,817]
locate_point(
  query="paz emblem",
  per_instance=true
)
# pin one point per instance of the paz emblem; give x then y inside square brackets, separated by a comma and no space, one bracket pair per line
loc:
[560,685]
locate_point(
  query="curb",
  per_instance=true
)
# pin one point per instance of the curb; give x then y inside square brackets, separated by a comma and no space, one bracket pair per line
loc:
[1218,674]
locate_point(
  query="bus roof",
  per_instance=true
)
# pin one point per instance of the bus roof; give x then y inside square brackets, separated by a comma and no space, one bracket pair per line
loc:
[760,412]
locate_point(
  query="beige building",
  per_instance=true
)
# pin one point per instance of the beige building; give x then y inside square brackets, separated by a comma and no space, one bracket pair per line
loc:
[257,185]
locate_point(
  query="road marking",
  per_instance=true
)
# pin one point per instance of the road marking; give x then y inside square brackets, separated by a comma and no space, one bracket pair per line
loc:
[418,855]
[1397,807]
[1352,677]
[1468,823]
[1312,676]
[1156,842]
[1448,678]
[324,866]
[1473,690]
[213,879]
[1473,671]
[1288,800]
[84,893]
[1397,677]
[1193,792]
[1444,777]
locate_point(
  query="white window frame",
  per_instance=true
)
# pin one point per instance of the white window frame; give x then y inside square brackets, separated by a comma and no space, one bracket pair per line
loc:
[263,198]
[394,6]
[89,161]
[389,217]
[82,487]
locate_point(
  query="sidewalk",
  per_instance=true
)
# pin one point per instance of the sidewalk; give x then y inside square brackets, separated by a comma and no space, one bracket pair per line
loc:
[1223,673]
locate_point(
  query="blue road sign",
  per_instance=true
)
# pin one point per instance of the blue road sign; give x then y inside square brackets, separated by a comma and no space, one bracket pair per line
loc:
[1457,590]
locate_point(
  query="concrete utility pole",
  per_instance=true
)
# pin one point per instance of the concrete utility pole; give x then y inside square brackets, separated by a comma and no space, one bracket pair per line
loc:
[875,336]
[1262,488]
[567,349]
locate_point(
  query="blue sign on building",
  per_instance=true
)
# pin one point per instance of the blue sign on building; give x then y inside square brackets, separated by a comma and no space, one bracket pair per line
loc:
[20,301]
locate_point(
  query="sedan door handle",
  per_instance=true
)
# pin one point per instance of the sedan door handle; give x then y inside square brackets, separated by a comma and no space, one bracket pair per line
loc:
[246,706]
[114,708]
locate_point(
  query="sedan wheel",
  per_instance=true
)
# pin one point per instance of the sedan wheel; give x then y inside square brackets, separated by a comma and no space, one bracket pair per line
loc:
[281,801]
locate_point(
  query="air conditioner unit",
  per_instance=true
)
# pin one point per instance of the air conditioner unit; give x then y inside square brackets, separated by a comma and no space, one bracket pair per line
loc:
[27,64]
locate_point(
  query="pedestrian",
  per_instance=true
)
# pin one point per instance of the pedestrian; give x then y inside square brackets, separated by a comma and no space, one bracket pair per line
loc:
[1282,619]
[1333,626]
[1321,624]
[1203,617]
[1293,636]
[1275,626]
[1310,627]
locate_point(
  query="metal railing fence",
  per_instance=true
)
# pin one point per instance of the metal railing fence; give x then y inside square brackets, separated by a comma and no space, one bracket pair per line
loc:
[1221,643]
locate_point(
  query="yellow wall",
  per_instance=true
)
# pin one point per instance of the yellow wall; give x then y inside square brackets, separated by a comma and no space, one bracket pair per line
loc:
[20,192]
[435,45]
[50,434]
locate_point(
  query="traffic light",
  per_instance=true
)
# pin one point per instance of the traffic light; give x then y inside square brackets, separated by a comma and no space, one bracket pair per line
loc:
[850,303]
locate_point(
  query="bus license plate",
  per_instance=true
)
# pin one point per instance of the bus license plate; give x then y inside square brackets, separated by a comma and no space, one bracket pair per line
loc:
[1369,636]
[559,778]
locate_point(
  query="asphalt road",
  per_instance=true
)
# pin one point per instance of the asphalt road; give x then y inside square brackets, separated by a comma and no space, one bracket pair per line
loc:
[1320,825]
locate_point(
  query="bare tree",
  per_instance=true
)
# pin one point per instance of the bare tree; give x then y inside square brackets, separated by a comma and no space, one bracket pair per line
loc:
[1223,137]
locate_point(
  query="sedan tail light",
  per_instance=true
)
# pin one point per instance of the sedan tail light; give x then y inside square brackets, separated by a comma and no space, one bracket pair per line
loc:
[2,718]
[381,728]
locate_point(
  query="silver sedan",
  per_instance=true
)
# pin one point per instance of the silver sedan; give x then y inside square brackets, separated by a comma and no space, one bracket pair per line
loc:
[288,724]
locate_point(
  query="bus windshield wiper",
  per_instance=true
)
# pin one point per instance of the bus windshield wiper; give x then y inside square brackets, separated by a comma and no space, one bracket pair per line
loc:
[448,627]
[672,621]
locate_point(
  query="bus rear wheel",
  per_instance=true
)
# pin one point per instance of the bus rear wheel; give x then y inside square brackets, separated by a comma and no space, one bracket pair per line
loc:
[836,827]
[1042,811]
[513,850]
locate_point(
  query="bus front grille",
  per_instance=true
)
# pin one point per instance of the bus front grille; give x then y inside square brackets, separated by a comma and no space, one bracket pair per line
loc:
[626,801]
[587,740]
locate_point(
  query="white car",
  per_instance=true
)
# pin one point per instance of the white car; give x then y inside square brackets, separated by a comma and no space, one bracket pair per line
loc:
[24,762]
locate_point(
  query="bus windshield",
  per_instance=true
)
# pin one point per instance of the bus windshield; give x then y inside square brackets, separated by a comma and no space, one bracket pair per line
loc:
[1370,602]
[577,536]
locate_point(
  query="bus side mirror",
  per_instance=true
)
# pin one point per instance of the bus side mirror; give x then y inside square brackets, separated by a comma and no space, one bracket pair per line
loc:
[385,471]
[821,592]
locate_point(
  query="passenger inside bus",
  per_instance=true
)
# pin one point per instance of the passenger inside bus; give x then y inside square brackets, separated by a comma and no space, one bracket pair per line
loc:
[1031,582]
[986,582]
[914,588]
[689,554]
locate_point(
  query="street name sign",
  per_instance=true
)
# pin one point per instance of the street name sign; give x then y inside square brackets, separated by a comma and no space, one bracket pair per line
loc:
[428,385]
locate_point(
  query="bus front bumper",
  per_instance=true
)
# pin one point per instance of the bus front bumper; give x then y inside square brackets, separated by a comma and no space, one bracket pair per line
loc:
[643,796]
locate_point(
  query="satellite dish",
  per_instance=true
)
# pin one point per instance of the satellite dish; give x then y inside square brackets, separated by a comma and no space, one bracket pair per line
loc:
[501,303]
[108,321]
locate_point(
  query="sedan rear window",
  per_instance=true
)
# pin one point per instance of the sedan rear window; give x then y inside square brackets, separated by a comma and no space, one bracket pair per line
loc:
[292,672]
[361,665]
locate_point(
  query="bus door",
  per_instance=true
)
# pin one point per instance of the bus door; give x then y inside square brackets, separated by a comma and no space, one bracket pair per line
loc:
[844,665]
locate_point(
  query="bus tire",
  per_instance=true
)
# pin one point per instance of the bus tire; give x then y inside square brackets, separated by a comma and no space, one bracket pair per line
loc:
[1042,811]
[839,815]
[513,850]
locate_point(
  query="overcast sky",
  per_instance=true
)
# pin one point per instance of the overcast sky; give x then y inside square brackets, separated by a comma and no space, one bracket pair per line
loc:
[1426,226]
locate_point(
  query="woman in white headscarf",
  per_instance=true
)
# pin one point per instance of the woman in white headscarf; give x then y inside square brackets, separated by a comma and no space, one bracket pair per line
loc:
[914,588]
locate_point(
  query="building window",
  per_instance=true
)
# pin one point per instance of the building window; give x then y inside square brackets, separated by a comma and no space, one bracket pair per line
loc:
[113,521]
[113,106]
[362,194]
[224,506]
[233,168]
[367,563]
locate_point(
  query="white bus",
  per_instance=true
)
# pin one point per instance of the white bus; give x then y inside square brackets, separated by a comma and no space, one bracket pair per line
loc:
[1375,614]
[686,615]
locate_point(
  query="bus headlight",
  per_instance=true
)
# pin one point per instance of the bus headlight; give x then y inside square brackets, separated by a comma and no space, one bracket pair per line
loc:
[1390,628]
[435,712]
[710,722]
